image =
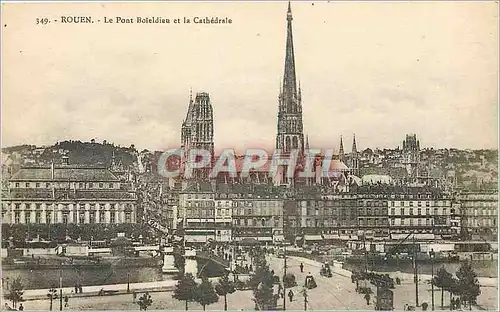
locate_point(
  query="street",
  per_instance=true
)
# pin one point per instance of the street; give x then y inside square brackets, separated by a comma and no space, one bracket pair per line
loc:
[335,293]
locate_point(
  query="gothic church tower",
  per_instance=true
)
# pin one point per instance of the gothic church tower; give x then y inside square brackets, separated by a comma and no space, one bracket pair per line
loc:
[290,129]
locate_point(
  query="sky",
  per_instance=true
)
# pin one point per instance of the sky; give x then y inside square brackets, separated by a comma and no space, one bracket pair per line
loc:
[376,69]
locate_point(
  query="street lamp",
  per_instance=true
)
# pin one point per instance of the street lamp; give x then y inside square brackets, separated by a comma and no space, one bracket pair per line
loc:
[128,283]
[431,255]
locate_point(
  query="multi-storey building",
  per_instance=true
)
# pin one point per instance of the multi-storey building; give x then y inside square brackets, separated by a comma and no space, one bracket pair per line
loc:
[197,210]
[223,216]
[479,214]
[420,210]
[66,194]
[257,213]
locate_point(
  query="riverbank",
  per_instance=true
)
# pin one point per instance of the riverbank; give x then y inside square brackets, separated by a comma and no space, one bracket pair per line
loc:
[336,293]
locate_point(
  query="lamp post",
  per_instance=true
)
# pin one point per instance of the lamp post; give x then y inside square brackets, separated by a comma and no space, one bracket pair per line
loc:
[432,254]
[128,283]
[284,275]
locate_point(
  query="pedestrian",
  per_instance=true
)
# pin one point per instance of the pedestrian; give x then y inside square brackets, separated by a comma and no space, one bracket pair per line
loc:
[290,295]
[66,299]
[21,308]
[251,268]
[301,267]
[80,287]
[367,298]
[76,289]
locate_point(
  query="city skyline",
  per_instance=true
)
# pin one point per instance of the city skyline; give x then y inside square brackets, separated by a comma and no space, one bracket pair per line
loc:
[118,84]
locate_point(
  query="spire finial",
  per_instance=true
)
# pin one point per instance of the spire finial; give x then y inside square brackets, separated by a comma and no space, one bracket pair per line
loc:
[289,8]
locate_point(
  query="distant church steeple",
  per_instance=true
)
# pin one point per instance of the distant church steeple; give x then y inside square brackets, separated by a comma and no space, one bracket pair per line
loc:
[341,151]
[290,128]
[354,156]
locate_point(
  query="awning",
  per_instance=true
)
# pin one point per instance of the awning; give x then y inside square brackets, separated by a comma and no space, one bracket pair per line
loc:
[278,238]
[265,239]
[197,238]
[331,236]
[313,237]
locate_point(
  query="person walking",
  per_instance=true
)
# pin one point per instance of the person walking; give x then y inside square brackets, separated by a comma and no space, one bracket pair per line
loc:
[301,267]
[21,308]
[66,299]
[367,298]
[290,295]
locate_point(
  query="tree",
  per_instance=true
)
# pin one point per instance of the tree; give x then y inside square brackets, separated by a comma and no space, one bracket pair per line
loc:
[262,285]
[225,287]
[144,301]
[468,284]
[52,295]
[16,292]
[185,289]
[205,293]
[179,260]
[444,280]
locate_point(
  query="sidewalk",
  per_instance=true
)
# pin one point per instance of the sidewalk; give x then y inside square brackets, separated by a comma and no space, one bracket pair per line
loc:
[112,289]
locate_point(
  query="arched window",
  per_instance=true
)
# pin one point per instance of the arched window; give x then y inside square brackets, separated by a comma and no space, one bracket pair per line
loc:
[295,142]
[287,143]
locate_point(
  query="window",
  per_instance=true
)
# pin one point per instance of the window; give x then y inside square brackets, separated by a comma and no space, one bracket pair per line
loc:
[101,216]
[27,217]
[81,218]
[419,221]
[65,217]
[17,218]
[128,217]
[427,204]
[427,211]
[91,185]
[17,184]
[411,203]
[92,217]
[37,184]
[27,184]
[393,221]
[263,222]
[81,185]
[393,211]
[112,218]
[419,211]
[110,185]
[435,211]
[101,185]
[47,185]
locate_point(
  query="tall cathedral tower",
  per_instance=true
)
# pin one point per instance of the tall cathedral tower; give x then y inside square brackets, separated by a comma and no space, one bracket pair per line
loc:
[198,128]
[290,129]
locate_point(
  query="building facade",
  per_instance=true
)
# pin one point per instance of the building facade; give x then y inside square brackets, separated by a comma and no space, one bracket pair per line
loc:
[479,212]
[68,195]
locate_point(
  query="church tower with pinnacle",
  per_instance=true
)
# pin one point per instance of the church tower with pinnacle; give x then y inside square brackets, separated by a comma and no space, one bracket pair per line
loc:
[290,129]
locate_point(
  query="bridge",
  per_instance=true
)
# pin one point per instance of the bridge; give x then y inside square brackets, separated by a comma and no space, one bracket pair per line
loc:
[210,257]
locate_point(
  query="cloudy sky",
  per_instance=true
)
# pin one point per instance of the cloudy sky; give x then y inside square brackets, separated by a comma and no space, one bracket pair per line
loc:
[379,70]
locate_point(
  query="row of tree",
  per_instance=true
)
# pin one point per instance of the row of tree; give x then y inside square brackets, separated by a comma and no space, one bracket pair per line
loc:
[188,290]
[465,285]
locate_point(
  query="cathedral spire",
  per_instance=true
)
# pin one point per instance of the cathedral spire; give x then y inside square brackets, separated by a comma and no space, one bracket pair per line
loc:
[354,148]
[307,142]
[289,79]
[341,151]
